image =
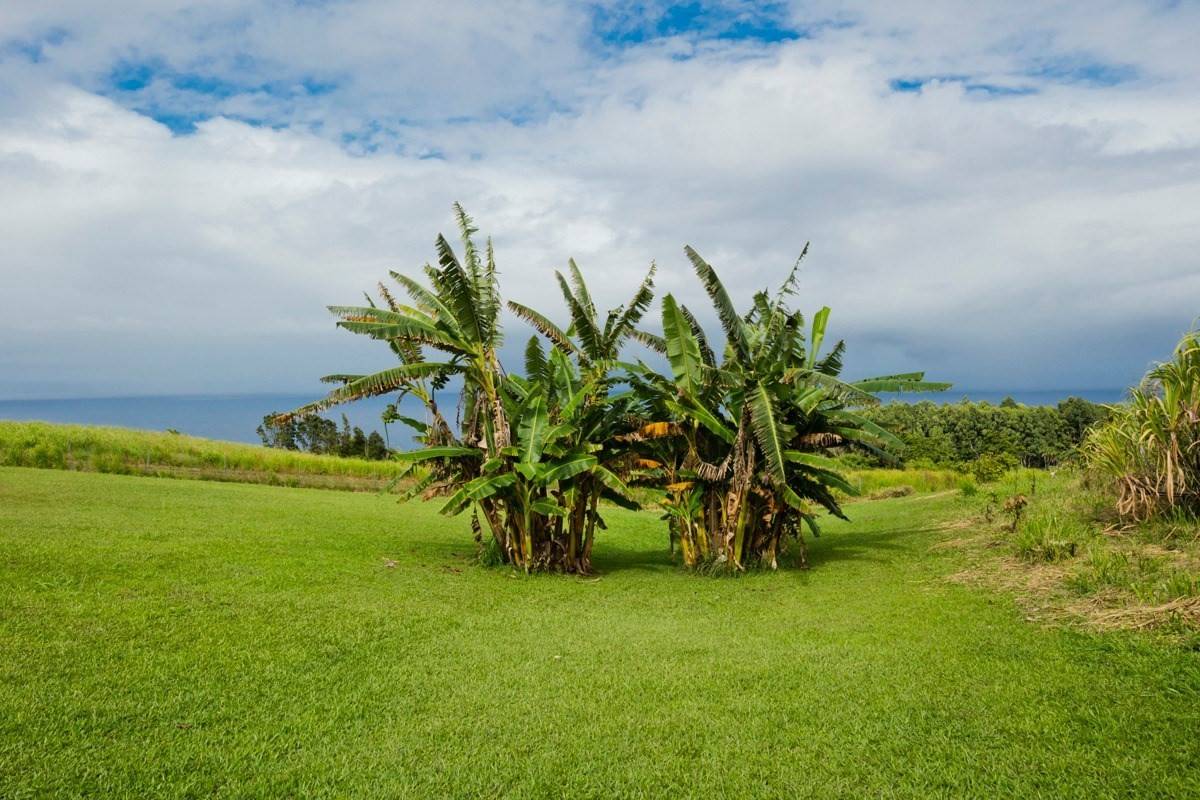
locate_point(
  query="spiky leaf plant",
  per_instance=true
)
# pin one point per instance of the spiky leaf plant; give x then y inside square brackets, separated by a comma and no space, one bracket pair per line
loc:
[1149,449]
[740,446]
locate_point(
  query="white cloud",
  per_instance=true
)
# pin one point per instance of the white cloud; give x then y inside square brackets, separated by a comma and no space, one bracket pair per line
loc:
[1041,240]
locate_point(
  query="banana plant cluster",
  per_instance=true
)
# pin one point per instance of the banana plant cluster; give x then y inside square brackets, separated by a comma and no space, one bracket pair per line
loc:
[534,454]
[754,432]
[740,447]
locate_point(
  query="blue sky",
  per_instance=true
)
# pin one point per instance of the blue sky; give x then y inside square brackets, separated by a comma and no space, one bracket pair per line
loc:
[1004,194]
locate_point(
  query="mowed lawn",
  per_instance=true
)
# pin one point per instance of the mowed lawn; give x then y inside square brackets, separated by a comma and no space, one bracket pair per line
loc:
[189,639]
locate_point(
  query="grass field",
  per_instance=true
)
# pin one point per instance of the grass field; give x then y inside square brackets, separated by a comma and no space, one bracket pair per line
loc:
[124,451]
[869,482]
[167,638]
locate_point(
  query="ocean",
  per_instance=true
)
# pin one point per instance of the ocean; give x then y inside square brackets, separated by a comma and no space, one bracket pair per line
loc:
[234,417]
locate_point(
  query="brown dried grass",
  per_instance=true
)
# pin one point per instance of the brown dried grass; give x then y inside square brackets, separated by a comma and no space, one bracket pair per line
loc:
[1041,591]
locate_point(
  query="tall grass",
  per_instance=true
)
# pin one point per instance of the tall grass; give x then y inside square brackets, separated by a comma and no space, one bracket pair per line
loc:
[874,481]
[1141,574]
[126,451]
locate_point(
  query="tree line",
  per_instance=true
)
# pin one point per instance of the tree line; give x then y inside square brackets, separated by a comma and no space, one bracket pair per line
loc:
[957,434]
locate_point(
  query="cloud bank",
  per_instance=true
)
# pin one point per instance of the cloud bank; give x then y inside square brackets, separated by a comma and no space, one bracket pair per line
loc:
[1008,197]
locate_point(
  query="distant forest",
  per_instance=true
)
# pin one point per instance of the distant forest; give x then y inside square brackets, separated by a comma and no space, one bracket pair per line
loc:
[972,435]
[312,433]
[1009,433]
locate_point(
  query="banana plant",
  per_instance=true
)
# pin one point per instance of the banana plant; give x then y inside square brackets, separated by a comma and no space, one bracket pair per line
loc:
[740,444]
[758,428]
[572,447]
[595,344]
[560,463]
[533,455]
[455,314]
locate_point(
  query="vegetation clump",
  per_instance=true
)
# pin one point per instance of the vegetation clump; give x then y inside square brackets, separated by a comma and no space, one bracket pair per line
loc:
[94,448]
[739,443]
[1149,451]
[1066,555]
[530,456]
[1049,537]
[748,437]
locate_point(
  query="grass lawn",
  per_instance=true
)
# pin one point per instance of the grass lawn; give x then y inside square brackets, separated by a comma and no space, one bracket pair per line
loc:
[182,638]
[124,451]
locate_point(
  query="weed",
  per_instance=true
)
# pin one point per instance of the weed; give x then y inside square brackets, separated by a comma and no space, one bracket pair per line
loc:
[1014,507]
[1050,538]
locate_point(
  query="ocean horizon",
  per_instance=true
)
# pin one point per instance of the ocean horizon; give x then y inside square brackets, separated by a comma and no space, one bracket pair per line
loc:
[234,417]
[231,417]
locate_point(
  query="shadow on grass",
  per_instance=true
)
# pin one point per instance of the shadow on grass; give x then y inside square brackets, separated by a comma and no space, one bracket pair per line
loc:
[608,559]
[871,546]
[881,547]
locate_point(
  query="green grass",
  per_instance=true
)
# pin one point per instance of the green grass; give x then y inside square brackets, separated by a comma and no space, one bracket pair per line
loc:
[1147,578]
[126,451]
[186,639]
[1050,536]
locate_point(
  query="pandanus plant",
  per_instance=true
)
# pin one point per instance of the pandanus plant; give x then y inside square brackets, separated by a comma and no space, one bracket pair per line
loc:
[1150,447]
[752,434]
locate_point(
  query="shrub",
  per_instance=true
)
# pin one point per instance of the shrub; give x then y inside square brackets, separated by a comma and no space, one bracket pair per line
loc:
[741,439]
[1149,451]
[1014,508]
[991,467]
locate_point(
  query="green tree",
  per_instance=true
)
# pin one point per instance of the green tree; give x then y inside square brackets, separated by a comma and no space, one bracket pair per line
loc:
[1079,416]
[376,449]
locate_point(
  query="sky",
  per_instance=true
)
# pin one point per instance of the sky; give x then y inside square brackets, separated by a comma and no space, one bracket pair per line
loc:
[1004,194]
